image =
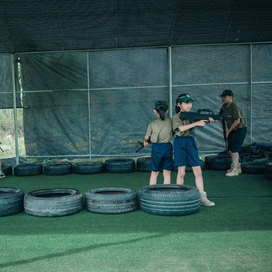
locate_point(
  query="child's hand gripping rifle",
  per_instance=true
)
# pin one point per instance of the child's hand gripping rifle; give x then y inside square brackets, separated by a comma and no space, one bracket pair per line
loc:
[142,145]
[205,114]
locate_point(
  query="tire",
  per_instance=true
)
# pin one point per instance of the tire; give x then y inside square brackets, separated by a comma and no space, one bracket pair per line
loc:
[11,201]
[202,166]
[253,167]
[120,165]
[169,199]
[58,169]
[216,162]
[28,169]
[268,170]
[7,170]
[111,200]
[252,149]
[144,164]
[53,202]
[88,168]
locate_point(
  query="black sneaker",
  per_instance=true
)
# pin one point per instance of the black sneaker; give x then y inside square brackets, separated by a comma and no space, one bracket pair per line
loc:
[2,175]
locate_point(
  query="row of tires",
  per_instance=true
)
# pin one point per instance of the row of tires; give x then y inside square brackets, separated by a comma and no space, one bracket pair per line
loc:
[111,166]
[155,199]
[217,162]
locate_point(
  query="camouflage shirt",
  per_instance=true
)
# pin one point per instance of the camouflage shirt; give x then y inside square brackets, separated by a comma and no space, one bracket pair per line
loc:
[234,112]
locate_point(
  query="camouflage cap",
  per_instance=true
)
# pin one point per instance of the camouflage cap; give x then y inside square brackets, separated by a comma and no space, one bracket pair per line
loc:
[186,98]
[161,105]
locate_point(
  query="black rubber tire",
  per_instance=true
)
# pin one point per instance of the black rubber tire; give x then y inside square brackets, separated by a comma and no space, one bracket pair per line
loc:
[7,170]
[11,201]
[144,164]
[57,169]
[268,170]
[111,200]
[88,168]
[53,202]
[252,149]
[202,166]
[216,162]
[253,167]
[120,165]
[28,169]
[169,199]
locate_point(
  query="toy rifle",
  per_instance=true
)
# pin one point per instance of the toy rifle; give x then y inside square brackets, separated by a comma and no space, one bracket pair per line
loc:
[205,114]
[1,148]
[142,145]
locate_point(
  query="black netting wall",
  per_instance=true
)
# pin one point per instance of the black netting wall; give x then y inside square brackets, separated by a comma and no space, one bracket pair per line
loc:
[99,103]
[262,93]
[56,123]
[6,85]
[55,104]
[211,64]
[119,119]
[96,103]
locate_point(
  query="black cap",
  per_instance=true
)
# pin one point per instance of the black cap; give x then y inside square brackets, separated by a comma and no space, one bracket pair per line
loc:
[227,92]
[161,105]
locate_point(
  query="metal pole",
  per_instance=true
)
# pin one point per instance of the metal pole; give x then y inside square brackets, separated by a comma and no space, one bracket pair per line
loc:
[14,110]
[170,88]
[251,93]
[89,106]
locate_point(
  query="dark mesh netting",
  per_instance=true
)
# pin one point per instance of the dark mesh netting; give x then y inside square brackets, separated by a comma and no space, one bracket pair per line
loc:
[6,86]
[99,103]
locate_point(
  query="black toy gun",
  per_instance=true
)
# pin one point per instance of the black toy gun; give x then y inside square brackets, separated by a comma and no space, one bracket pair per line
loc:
[205,114]
[1,148]
[142,145]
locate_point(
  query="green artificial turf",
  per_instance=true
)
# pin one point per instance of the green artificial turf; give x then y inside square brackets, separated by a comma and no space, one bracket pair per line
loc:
[235,235]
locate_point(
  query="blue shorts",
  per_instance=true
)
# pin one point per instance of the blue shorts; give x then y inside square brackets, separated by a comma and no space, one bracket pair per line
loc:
[236,139]
[161,156]
[186,152]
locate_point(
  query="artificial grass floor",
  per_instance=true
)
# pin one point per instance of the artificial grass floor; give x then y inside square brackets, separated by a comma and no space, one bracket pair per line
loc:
[235,235]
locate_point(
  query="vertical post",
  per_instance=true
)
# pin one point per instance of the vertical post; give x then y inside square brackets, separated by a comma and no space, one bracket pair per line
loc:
[251,93]
[14,109]
[170,84]
[89,107]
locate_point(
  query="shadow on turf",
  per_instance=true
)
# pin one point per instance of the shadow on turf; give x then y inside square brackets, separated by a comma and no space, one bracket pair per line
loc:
[76,251]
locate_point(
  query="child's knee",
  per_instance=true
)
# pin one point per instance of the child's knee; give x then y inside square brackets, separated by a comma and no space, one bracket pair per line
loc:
[181,172]
[197,171]
[155,173]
